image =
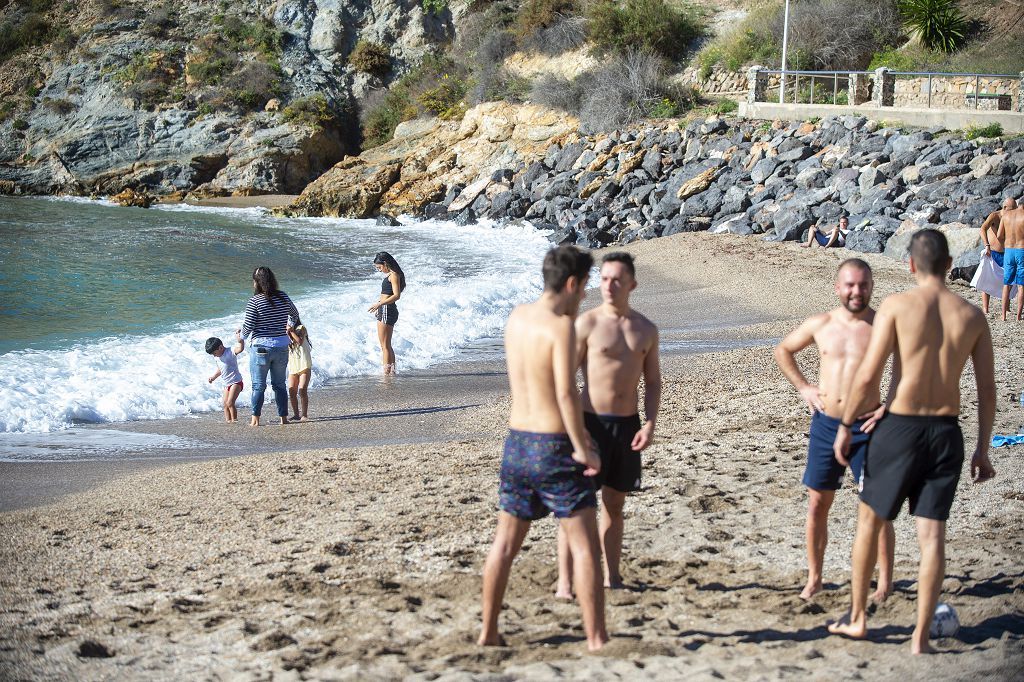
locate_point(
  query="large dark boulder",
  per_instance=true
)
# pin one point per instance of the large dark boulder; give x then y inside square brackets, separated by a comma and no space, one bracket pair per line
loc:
[866,241]
[791,222]
[707,203]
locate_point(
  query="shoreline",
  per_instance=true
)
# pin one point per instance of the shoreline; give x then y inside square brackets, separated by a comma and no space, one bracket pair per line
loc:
[365,562]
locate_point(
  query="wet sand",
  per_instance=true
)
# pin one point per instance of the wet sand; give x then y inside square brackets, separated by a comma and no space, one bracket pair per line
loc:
[364,562]
[254,201]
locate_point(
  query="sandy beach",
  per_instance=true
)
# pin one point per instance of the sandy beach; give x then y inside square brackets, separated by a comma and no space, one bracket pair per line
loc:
[351,547]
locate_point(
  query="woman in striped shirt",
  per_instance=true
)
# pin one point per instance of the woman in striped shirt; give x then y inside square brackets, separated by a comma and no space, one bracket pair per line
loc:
[268,316]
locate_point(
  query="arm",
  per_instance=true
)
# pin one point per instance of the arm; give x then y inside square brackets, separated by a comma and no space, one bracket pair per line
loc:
[214,377]
[563,365]
[249,324]
[872,418]
[984,376]
[293,312]
[295,338]
[785,352]
[865,386]
[990,221]
[652,396]
[240,346]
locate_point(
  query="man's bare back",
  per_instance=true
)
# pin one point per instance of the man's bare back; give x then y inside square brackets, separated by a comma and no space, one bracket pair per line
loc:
[537,342]
[613,351]
[1011,228]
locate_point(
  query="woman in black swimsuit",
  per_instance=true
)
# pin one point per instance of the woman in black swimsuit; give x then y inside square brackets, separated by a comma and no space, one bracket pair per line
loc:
[386,310]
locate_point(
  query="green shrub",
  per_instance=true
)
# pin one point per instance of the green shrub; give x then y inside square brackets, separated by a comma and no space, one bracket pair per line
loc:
[436,86]
[6,110]
[724,105]
[435,7]
[973,132]
[20,124]
[650,25]
[261,36]
[894,59]
[938,24]
[535,15]
[61,107]
[372,58]
[148,78]
[313,111]
[17,33]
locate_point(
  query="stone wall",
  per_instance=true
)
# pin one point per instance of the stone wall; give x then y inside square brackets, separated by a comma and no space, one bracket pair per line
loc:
[952,92]
[721,82]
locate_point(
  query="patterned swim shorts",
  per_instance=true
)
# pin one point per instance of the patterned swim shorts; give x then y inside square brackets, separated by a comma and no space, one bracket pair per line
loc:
[539,476]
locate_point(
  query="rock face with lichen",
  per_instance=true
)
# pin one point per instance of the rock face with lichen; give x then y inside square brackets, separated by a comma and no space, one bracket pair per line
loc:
[428,159]
[139,99]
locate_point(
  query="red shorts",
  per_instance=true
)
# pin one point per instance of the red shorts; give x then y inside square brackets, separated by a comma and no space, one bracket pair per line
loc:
[240,385]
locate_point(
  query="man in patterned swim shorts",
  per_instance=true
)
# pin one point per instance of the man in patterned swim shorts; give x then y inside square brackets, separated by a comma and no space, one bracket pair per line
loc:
[549,461]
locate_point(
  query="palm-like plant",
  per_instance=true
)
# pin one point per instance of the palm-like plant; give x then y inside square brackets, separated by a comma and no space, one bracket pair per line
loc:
[937,24]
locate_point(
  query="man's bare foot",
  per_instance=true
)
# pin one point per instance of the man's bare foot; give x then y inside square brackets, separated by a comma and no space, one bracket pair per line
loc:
[812,588]
[920,647]
[564,592]
[881,594]
[615,584]
[495,640]
[596,643]
[254,421]
[805,246]
[304,419]
[846,628]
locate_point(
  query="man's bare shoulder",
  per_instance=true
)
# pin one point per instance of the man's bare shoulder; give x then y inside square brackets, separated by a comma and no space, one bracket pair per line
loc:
[816,323]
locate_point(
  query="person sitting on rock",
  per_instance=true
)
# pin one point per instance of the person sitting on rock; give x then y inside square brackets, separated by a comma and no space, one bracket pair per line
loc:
[837,237]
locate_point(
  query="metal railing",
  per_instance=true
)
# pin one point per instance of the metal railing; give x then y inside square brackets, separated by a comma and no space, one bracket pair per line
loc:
[814,76]
[871,79]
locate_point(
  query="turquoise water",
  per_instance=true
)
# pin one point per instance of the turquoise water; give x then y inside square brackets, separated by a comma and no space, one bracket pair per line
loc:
[73,271]
[104,311]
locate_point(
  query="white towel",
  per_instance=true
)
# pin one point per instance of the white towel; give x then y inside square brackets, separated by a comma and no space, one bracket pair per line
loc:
[988,278]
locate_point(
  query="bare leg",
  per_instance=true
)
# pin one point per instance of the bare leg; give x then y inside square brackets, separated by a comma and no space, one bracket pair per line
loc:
[886,559]
[232,396]
[226,405]
[1006,300]
[865,551]
[931,536]
[508,539]
[563,589]
[581,531]
[819,504]
[1020,305]
[293,393]
[304,394]
[832,238]
[810,237]
[612,523]
[384,333]
[984,302]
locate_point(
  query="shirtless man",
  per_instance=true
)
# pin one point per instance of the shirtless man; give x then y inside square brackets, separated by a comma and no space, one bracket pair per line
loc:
[842,338]
[1011,233]
[993,244]
[917,450]
[616,346]
[548,456]
[836,238]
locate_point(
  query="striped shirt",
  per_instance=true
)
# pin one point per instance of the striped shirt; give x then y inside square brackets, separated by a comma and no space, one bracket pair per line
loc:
[263,320]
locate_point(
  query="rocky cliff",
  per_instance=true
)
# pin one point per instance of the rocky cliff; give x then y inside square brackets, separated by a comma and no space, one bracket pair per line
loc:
[174,97]
[774,180]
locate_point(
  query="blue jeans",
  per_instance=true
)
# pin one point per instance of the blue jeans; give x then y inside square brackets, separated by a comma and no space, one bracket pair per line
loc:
[274,361]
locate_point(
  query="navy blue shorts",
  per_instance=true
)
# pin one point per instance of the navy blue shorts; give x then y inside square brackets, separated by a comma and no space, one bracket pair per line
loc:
[997,258]
[540,477]
[823,471]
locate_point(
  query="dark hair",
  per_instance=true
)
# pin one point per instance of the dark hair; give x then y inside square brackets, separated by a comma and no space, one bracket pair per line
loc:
[621,257]
[212,344]
[855,263]
[564,262]
[385,258]
[266,283]
[930,252]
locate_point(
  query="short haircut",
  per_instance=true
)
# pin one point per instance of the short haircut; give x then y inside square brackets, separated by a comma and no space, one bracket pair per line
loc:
[621,257]
[212,344]
[855,263]
[564,262]
[930,252]
[845,217]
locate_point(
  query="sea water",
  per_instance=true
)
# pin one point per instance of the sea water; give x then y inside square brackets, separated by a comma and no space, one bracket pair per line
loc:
[104,310]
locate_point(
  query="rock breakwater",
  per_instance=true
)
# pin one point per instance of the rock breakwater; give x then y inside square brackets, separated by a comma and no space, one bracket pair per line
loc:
[769,179]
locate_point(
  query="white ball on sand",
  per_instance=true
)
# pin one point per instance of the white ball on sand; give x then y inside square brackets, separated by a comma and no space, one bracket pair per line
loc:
[945,623]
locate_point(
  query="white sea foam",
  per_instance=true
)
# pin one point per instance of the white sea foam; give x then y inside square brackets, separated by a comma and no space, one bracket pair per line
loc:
[165,375]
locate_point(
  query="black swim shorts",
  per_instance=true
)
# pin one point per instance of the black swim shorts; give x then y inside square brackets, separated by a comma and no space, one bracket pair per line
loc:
[620,463]
[539,476]
[387,314]
[915,458]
